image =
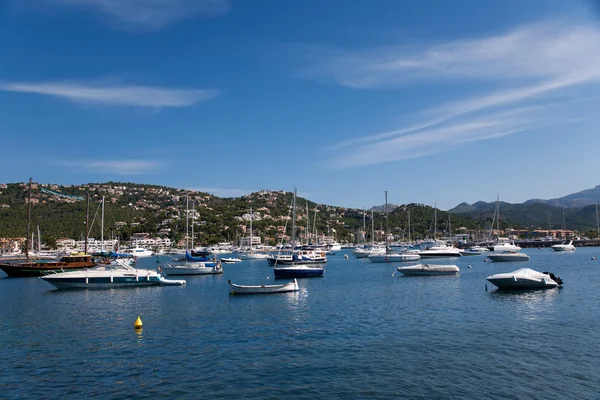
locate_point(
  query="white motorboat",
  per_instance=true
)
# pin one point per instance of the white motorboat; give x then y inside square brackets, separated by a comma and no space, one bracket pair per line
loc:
[440,251]
[506,246]
[364,252]
[508,256]
[258,289]
[251,255]
[138,252]
[384,257]
[192,268]
[564,246]
[298,257]
[230,260]
[525,278]
[117,274]
[474,251]
[429,269]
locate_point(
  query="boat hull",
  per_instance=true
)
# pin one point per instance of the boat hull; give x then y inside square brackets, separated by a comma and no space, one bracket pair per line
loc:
[108,282]
[508,257]
[388,258]
[439,254]
[298,271]
[563,248]
[41,269]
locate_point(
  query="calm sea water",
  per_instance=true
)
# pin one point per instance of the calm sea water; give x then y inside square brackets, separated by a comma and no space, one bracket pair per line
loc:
[357,333]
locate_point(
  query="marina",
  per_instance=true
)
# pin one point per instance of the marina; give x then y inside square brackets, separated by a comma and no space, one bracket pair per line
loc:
[355,321]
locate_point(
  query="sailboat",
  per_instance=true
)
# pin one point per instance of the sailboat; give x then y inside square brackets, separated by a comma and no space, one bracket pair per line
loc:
[502,244]
[388,256]
[366,250]
[29,268]
[192,265]
[299,262]
[250,254]
[439,250]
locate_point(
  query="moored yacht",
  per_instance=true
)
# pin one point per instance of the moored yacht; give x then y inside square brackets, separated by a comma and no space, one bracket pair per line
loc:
[117,274]
[564,246]
[440,251]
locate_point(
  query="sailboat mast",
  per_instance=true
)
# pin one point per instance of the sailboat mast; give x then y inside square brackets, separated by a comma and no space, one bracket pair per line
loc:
[364,227]
[408,211]
[386,221]
[102,228]
[87,222]
[250,229]
[28,221]
[39,244]
[307,225]
[372,228]
[192,243]
[498,212]
[294,220]
[434,221]
[187,217]
[597,223]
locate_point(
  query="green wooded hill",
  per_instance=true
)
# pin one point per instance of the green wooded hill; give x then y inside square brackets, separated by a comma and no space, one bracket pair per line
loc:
[158,210]
[131,208]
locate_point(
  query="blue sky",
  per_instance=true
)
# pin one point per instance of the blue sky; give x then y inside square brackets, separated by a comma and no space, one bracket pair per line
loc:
[434,101]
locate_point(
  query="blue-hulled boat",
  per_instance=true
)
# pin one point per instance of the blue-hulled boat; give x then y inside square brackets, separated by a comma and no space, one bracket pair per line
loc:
[298,265]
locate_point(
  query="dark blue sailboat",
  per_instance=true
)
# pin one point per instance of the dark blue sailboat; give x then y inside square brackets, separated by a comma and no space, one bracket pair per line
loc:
[298,267]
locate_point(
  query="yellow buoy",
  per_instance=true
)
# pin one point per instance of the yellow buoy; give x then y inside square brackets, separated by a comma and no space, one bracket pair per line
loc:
[346,256]
[138,323]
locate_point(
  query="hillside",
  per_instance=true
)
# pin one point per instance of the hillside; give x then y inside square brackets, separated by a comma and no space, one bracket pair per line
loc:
[133,208]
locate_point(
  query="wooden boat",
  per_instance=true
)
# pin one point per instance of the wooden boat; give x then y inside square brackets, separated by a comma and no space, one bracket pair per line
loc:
[248,289]
[73,262]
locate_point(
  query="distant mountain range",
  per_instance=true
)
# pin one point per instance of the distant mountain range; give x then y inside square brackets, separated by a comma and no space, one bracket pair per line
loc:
[573,211]
[576,200]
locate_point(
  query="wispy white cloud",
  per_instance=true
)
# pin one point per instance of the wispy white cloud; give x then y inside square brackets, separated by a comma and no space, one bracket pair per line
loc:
[518,73]
[534,51]
[145,14]
[117,167]
[113,95]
